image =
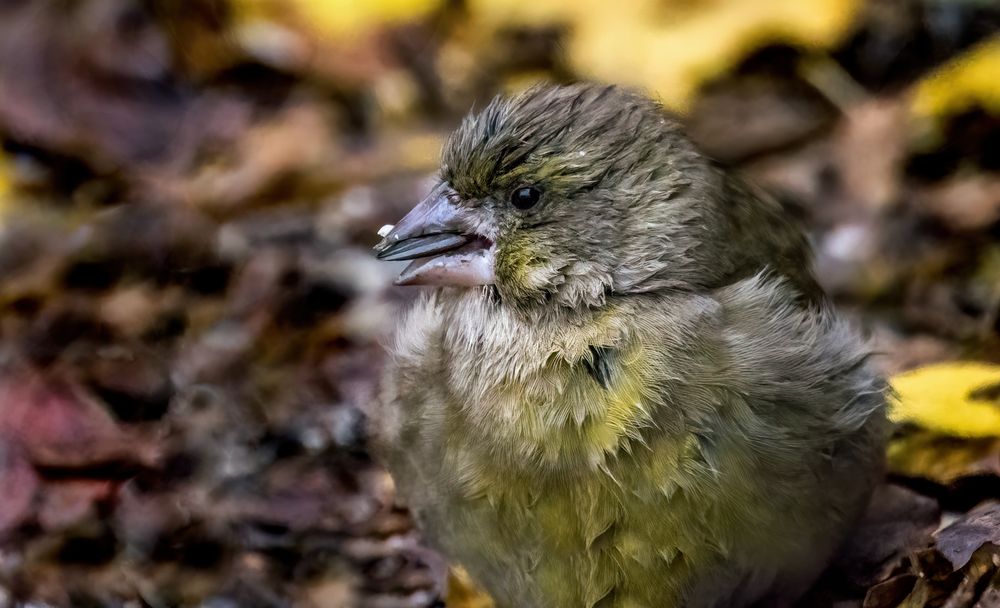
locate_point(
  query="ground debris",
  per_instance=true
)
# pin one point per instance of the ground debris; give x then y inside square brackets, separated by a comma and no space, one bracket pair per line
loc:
[191,317]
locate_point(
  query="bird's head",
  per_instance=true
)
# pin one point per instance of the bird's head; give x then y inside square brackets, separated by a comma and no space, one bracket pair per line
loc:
[560,196]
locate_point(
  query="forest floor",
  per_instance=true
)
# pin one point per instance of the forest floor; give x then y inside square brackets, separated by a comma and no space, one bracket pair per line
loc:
[191,315]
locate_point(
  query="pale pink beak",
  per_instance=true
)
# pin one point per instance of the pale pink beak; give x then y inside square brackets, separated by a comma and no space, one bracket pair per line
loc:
[439,235]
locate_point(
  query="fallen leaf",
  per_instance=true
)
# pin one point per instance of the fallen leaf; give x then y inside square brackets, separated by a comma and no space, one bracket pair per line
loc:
[966,81]
[959,541]
[943,459]
[750,115]
[991,596]
[61,429]
[5,185]
[897,521]
[982,564]
[336,18]
[948,398]
[132,382]
[53,69]
[68,502]
[917,598]
[890,593]
[463,593]
[872,151]
[963,203]
[19,483]
[671,48]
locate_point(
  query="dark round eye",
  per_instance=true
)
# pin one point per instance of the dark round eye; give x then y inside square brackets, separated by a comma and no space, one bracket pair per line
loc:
[525,197]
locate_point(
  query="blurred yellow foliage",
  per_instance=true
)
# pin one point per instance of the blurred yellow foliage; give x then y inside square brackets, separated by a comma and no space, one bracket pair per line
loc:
[5,185]
[964,82]
[667,47]
[670,47]
[961,399]
[463,593]
[336,18]
[943,458]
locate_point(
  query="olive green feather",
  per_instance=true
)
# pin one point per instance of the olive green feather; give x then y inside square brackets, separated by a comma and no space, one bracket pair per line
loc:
[653,405]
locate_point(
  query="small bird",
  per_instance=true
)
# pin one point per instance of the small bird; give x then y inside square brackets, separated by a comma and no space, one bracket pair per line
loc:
[626,388]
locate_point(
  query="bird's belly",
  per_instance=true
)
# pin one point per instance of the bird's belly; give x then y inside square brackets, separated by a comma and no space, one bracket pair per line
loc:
[616,537]
[570,543]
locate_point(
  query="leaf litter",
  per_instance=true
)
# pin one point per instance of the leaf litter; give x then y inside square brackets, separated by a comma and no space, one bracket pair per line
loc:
[190,318]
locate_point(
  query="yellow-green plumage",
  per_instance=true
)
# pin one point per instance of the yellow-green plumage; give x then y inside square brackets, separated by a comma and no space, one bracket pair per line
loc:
[720,462]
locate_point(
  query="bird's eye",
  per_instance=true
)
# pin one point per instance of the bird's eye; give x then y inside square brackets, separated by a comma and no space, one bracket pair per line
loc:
[525,197]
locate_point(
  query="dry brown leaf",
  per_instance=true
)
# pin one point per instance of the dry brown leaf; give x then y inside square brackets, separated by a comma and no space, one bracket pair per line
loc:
[966,203]
[979,527]
[20,483]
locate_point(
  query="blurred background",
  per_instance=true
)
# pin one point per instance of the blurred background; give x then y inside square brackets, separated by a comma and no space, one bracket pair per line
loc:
[190,312]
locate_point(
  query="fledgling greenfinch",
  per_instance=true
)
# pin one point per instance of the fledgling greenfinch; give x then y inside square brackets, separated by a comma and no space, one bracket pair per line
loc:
[626,389]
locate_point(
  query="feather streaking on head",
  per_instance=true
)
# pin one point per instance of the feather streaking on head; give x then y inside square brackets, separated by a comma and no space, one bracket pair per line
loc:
[627,204]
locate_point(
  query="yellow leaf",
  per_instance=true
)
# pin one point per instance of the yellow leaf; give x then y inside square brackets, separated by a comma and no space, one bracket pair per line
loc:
[943,459]
[463,593]
[965,82]
[670,47]
[667,47]
[960,399]
[336,18]
[5,186]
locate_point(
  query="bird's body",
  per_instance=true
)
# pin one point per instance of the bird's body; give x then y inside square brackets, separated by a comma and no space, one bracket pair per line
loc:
[612,423]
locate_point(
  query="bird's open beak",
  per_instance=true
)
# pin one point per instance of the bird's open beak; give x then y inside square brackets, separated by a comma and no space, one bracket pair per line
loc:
[440,237]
